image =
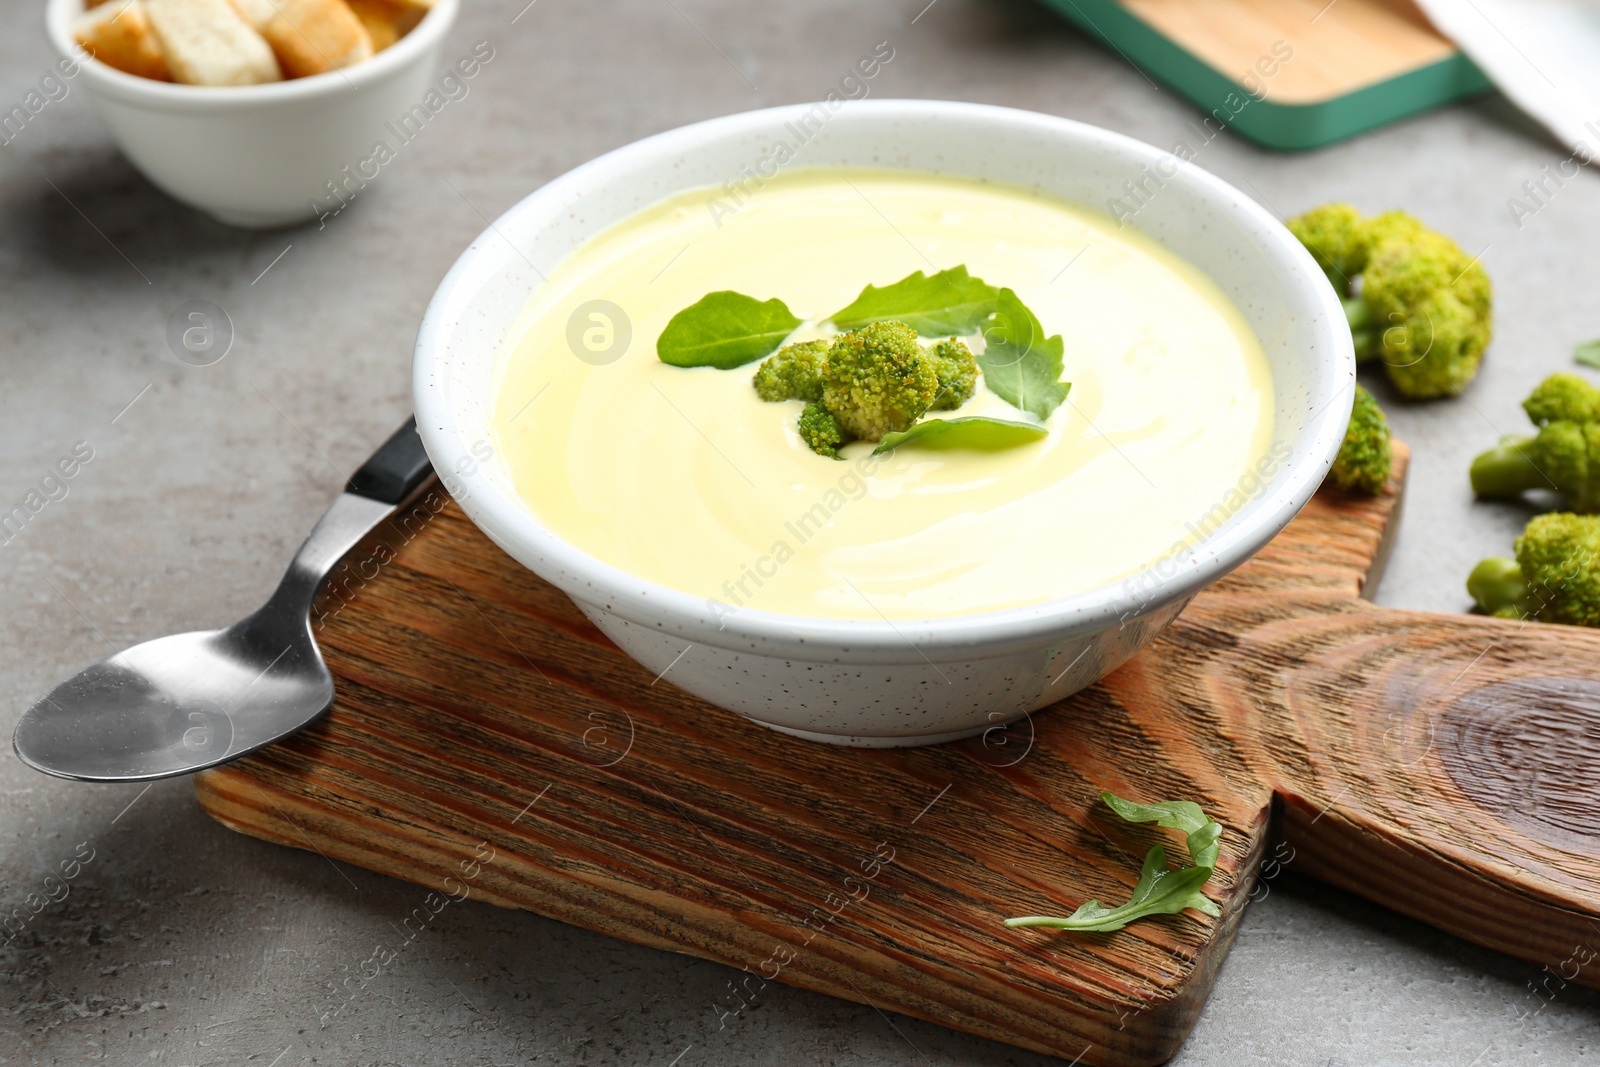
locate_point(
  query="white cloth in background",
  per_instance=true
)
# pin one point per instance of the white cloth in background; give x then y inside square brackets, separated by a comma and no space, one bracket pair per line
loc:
[1543,54]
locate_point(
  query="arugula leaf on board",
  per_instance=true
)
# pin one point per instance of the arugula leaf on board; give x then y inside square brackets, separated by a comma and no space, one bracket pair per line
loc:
[1588,354]
[1160,891]
[1184,815]
[1020,364]
[977,432]
[725,330]
[951,303]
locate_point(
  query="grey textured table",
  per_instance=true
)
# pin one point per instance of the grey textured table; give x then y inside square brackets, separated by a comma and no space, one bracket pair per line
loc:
[182,943]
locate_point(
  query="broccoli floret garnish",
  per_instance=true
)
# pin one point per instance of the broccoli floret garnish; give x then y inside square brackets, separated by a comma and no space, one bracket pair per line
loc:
[820,431]
[1365,458]
[1413,298]
[866,383]
[793,372]
[877,380]
[956,369]
[1564,457]
[1555,577]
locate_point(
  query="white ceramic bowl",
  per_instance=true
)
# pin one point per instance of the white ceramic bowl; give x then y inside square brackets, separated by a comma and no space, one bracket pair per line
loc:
[910,682]
[260,156]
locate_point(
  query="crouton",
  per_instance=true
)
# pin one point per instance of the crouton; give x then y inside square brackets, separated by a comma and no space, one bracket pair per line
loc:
[315,36]
[256,12]
[386,21]
[118,34]
[207,42]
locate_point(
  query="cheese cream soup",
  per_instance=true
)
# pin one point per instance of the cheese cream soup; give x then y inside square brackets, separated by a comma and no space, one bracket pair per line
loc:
[686,478]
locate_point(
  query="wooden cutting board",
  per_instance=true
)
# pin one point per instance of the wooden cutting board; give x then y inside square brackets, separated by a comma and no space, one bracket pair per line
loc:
[1313,71]
[488,740]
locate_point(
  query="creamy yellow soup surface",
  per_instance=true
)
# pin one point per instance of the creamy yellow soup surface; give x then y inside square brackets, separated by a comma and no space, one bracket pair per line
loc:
[687,478]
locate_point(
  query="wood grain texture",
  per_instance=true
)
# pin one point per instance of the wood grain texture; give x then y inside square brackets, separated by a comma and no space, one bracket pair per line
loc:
[1337,48]
[486,739]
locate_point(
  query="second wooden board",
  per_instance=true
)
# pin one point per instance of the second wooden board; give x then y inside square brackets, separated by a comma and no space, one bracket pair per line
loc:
[1288,74]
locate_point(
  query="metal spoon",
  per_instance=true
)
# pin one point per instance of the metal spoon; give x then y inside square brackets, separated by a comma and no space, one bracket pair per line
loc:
[182,703]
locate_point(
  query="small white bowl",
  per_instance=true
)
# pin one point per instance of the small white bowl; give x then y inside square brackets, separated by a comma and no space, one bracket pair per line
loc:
[261,156]
[909,682]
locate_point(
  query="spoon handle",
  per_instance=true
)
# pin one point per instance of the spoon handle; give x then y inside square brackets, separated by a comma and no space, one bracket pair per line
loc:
[393,473]
[395,470]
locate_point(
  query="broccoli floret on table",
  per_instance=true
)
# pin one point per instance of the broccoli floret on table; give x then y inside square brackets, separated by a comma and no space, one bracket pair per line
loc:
[1413,298]
[1555,576]
[1366,457]
[820,431]
[1563,398]
[793,372]
[1564,456]
[878,380]
[1335,235]
[956,369]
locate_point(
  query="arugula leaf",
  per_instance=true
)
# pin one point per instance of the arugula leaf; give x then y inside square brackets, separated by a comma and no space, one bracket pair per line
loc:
[1160,892]
[1184,815]
[1020,364]
[977,432]
[952,303]
[725,330]
[1588,354]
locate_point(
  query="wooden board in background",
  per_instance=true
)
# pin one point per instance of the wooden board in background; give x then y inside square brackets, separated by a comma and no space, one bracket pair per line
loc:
[486,738]
[1319,72]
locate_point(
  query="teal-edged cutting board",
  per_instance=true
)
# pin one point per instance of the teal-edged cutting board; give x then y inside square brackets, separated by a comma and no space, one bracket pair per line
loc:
[1288,74]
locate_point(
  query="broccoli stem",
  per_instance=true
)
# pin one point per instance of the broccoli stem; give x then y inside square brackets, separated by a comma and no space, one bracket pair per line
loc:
[1507,470]
[1359,315]
[1499,587]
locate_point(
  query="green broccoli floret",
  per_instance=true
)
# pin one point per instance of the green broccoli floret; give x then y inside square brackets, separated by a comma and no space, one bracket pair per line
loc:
[1563,398]
[820,431]
[1563,457]
[1413,298]
[793,372]
[1335,235]
[957,371]
[878,380]
[1365,458]
[1555,577]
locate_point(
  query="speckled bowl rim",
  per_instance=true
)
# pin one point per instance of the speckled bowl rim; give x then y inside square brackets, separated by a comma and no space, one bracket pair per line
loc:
[512,525]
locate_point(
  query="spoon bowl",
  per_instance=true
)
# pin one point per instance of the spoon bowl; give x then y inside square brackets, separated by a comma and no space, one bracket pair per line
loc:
[182,703]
